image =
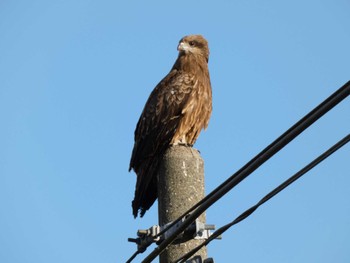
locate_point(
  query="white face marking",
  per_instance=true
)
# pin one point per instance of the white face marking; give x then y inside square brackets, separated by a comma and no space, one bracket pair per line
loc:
[172,92]
[183,46]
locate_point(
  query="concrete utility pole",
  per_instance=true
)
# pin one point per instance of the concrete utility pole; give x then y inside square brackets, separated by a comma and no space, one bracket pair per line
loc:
[180,186]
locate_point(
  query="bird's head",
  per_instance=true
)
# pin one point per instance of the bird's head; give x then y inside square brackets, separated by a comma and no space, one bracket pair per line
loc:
[195,44]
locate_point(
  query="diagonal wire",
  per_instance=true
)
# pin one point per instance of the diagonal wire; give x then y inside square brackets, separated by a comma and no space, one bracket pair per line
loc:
[344,90]
[254,164]
[321,109]
[133,256]
[267,197]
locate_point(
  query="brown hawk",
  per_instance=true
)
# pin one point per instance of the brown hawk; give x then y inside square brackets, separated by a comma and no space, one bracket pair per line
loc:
[177,110]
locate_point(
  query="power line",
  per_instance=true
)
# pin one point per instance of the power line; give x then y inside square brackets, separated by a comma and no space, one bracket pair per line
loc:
[267,197]
[346,93]
[255,163]
[133,256]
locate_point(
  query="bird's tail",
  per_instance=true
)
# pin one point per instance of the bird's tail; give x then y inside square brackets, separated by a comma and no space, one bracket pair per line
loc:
[146,187]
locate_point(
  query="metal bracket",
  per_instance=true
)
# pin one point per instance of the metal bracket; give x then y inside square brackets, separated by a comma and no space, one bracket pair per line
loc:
[203,230]
[198,259]
[146,237]
[197,230]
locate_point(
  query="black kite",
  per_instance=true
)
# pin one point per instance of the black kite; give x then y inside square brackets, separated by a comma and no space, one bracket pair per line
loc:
[177,110]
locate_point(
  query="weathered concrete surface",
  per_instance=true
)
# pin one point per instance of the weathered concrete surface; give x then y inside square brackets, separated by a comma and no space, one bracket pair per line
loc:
[180,186]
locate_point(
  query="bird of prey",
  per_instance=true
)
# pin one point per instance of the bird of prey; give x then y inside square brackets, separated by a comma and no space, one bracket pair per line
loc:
[177,110]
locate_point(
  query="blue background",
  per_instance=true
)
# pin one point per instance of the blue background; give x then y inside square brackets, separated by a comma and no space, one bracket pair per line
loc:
[74,77]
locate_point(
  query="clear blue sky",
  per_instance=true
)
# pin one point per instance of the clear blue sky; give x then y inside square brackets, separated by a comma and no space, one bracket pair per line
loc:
[74,77]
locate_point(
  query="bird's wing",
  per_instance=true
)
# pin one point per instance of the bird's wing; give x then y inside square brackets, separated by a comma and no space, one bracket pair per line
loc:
[154,132]
[161,115]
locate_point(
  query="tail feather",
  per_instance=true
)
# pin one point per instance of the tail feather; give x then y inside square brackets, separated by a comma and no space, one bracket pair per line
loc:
[146,188]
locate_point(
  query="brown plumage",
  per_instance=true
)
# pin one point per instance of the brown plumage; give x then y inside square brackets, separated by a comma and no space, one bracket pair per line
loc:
[177,110]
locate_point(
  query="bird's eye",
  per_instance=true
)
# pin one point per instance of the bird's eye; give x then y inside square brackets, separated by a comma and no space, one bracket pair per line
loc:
[191,43]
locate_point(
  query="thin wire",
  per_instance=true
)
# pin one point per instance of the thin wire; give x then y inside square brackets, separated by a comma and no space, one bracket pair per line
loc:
[133,256]
[255,163]
[267,197]
[344,89]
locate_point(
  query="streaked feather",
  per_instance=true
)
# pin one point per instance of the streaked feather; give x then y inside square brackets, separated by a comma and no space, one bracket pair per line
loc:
[177,110]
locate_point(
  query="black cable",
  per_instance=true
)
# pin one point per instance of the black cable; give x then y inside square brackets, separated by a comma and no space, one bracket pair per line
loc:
[267,197]
[249,163]
[133,256]
[255,163]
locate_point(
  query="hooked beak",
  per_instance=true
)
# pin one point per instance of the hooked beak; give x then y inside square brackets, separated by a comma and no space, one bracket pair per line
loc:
[182,47]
